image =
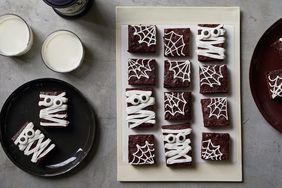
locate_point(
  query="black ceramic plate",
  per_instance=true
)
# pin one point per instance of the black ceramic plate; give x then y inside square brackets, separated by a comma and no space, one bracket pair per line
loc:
[73,143]
[266,59]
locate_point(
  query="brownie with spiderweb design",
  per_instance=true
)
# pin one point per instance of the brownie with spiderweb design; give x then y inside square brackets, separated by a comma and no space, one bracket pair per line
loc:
[177,74]
[215,112]
[141,149]
[213,79]
[142,38]
[215,146]
[176,42]
[274,84]
[178,105]
[142,71]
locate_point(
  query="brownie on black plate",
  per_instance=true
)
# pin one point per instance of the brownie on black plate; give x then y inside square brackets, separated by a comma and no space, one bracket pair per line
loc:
[215,112]
[140,107]
[176,42]
[177,143]
[274,83]
[142,38]
[210,42]
[177,74]
[141,149]
[142,71]
[213,79]
[277,45]
[178,105]
[215,146]
[33,142]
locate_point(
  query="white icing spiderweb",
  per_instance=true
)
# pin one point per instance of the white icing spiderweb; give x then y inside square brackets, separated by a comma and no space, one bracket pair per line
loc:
[174,43]
[144,154]
[276,86]
[138,68]
[211,151]
[210,76]
[180,70]
[218,107]
[175,103]
[146,34]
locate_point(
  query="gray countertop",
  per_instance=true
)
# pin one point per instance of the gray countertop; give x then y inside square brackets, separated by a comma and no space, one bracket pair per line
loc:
[96,79]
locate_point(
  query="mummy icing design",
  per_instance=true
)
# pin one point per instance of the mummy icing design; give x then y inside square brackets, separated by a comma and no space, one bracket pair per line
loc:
[275,86]
[211,151]
[207,39]
[218,107]
[146,34]
[136,114]
[33,142]
[144,154]
[210,76]
[174,43]
[181,70]
[54,110]
[177,145]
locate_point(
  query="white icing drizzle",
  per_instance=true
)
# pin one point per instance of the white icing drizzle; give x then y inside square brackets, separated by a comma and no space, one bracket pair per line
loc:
[178,148]
[136,115]
[175,103]
[146,34]
[211,151]
[210,76]
[218,107]
[206,40]
[31,141]
[54,105]
[276,86]
[144,154]
[171,46]
[181,70]
[139,68]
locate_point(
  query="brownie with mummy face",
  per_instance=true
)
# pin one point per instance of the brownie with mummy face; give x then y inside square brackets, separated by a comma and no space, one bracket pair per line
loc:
[177,143]
[53,109]
[32,141]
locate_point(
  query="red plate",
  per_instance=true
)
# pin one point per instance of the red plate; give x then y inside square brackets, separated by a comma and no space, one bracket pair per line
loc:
[265,59]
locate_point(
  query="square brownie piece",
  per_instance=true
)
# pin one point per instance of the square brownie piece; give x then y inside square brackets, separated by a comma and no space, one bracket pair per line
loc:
[140,108]
[215,112]
[53,109]
[142,71]
[215,146]
[32,141]
[177,74]
[141,149]
[142,38]
[213,79]
[210,42]
[178,105]
[274,83]
[177,144]
[176,42]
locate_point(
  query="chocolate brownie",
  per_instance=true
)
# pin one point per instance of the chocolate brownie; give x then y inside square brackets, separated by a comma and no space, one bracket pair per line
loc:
[215,146]
[277,45]
[274,84]
[141,149]
[176,42]
[177,144]
[215,112]
[140,108]
[142,38]
[213,79]
[32,141]
[210,42]
[53,109]
[177,74]
[178,105]
[142,71]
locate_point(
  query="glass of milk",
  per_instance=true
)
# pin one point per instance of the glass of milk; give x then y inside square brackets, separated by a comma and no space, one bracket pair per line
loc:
[62,51]
[16,36]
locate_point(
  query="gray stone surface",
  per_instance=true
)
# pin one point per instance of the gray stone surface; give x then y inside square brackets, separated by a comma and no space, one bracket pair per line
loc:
[96,78]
